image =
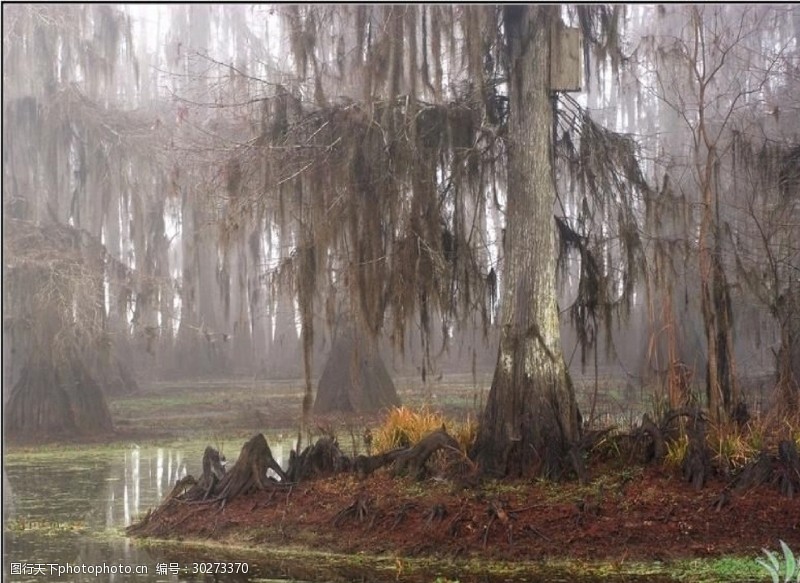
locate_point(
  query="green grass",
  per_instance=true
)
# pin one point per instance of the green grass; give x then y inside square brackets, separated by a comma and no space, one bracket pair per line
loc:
[739,569]
[335,566]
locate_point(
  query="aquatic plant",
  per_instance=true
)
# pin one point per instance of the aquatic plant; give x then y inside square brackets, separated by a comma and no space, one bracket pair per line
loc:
[773,567]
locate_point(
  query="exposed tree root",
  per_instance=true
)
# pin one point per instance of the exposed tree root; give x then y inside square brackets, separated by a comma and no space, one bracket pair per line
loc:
[656,450]
[643,444]
[215,485]
[213,472]
[413,461]
[436,513]
[402,513]
[497,513]
[323,458]
[366,465]
[757,472]
[181,487]
[358,510]
[697,463]
[788,477]
[781,471]
[575,456]
[536,531]
[453,528]
[250,471]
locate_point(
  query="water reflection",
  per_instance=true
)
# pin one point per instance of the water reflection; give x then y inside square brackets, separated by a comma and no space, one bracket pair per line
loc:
[146,476]
[70,508]
[8,498]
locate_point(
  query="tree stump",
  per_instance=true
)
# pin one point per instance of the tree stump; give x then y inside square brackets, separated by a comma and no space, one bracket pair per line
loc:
[783,471]
[697,463]
[789,474]
[250,470]
[656,450]
[413,461]
[213,472]
[755,473]
[323,458]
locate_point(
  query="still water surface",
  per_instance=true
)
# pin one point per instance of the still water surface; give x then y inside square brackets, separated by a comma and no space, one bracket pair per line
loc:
[66,510]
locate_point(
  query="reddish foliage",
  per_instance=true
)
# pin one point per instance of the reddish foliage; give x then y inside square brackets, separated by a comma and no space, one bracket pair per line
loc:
[653,516]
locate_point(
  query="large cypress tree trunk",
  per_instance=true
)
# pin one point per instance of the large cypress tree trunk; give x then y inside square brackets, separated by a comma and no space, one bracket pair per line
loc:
[531,417]
[355,379]
[56,398]
[284,357]
[52,321]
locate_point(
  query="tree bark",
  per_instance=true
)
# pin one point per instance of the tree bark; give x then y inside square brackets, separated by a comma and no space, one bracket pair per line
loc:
[531,418]
[721,388]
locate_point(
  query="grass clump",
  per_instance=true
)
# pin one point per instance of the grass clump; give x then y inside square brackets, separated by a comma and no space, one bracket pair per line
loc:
[676,450]
[405,426]
[733,448]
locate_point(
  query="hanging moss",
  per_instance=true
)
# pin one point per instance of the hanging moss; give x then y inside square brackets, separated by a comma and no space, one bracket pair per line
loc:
[391,190]
[605,167]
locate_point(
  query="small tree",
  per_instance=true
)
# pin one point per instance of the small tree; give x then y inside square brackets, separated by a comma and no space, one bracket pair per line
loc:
[710,72]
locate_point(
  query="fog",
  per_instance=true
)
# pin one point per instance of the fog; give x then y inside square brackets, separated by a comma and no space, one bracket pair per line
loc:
[176,205]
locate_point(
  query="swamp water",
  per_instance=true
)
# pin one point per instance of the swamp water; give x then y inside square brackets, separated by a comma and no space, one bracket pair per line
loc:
[65,511]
